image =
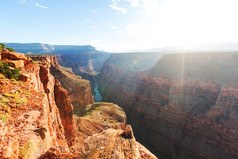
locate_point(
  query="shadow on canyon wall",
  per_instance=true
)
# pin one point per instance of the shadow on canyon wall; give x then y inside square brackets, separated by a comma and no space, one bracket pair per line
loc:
[184,106]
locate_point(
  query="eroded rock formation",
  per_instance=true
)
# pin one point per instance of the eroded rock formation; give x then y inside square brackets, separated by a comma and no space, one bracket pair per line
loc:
[187,103]
[32,122]
[36,121]
[78,88]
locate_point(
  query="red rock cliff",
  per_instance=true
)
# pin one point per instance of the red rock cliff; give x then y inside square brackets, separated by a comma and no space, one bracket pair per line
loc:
[36,121]
[78,88]
[33,122]
[66,112]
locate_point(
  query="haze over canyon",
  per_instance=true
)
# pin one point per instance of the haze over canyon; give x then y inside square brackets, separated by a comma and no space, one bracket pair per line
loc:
[119,79]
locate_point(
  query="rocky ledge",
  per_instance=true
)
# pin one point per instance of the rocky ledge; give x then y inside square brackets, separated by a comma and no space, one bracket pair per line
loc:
[37,121]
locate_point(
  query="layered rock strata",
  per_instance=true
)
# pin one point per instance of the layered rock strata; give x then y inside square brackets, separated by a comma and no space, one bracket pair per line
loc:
[32,123]
[187,103]
[78,88]
[36,121]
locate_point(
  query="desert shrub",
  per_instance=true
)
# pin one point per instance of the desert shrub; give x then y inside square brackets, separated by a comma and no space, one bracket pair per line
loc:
[5,117]
[4,67]
[27,93]
[3,46]
[2,76]
[21,101]
[25,149]
[11,95]
[11,49]
[4,100]
[5,108]
[10,73]
[14,73]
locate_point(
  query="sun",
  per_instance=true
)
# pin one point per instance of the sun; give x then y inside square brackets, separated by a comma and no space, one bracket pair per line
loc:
[191,23]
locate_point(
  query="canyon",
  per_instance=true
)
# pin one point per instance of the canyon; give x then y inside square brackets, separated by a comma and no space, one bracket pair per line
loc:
[78,88]
[180,105]
[38,121]
[86,65]
[84,60]
[185,106]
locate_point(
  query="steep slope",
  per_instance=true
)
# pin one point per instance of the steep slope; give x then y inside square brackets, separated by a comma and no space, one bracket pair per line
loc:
[78,88]
[86,65]
[103,133]
[32,124]
[36,119]
[83,64]
[84,60]
[205,66]
[187,103]
[133,61]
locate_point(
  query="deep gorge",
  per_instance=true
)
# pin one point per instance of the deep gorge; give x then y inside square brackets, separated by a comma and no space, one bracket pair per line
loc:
[182,102]
[182,105]
[179,99]
[97,96]
[41,119]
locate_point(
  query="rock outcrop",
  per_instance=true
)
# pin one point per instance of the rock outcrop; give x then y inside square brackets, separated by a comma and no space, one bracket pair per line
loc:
[37,121]
[66,112]
[78,88]
[106,135]
[187,103]
[32,124]
[15,59]
[51,59]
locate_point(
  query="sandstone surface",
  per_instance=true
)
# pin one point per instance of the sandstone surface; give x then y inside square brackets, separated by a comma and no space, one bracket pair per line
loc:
[78,88]
[37,121]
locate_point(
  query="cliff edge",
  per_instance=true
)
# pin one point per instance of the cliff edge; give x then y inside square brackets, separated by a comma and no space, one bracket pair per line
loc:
[37,119]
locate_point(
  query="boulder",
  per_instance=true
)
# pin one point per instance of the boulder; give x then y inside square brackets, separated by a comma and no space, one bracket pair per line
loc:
[24,77]
[13,55]
[128,132]
[16,63]
[28,61]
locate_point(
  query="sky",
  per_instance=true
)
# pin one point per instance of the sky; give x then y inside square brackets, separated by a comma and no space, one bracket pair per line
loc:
[120,25]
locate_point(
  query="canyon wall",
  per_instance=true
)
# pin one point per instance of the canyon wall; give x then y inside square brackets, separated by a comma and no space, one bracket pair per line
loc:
[84,60]
[78,88]
[86,65]
[185,106]
[37,121]
[83,64]
[32,123]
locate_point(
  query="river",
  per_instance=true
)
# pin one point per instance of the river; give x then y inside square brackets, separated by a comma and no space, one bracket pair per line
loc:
[97,96]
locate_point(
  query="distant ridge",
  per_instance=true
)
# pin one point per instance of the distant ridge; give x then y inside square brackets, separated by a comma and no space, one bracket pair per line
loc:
[222,47]
[41,48]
